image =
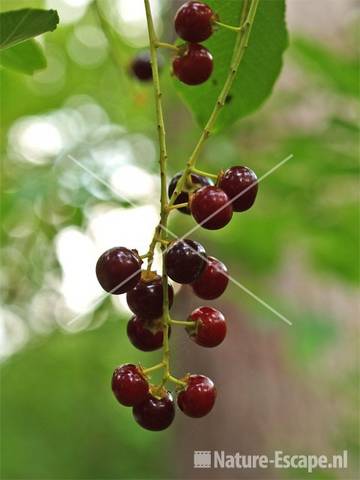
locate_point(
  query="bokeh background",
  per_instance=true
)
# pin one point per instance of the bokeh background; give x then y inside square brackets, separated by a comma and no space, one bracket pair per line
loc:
[76,140]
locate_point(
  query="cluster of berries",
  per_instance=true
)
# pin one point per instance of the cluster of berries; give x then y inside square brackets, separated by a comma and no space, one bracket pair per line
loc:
[212,206]
[193,63]
[119,270]
[194,23]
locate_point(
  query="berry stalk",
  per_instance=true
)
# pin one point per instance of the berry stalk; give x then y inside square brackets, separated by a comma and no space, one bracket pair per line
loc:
[161,230]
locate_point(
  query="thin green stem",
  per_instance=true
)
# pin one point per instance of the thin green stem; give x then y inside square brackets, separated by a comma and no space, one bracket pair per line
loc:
[154,368]
[160,234]
[176,381]
[169,46]
[204,174]
[241,43]
[183,323]
[152,248]
[163,196]
[178,205]
[229,27]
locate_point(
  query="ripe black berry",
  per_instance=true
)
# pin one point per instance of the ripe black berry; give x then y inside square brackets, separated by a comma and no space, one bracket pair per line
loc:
[211,207]
[213,280]
[118,270]
[185,260]
[129,385]
[146,299]
[141,67]
[193,182]
[155,413]
[210,328]
[198,397]
[146,335]
[240,182]
[194,22]
[194,65]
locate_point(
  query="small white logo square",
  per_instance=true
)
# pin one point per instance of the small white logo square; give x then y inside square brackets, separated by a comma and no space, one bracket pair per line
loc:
[202,459]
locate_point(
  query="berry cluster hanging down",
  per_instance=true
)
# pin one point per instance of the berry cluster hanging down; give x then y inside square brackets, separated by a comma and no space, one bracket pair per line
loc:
[119,270]
[149,294]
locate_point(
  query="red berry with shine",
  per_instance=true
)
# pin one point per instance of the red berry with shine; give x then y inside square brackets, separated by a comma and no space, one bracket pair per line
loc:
[194,21]
[145,335]
[213,280]
[129,385]
[118,270]
[185,260]
[146,299]
[211,207]
[194,65]
[198,397]
[193,182]
[210,327]
[241,185]
[155,414]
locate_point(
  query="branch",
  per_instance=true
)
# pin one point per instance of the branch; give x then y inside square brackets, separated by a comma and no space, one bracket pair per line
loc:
[163,197]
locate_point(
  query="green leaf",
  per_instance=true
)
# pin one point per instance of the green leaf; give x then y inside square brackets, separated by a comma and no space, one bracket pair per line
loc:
[339,72]
[19,25]
[258,70]
[27,57]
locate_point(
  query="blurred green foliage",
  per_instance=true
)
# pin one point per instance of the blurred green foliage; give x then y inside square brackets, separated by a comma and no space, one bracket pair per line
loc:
[59,421]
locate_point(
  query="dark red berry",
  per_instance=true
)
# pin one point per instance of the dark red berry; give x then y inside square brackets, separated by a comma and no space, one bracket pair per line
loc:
[194,21]
[213,280]
[194,65]
[129,385]
[141,67]
[118,270]
[192,183]
[211,207]
[198,397]
[146,299]
[240,184]
[185,260]
[210,327]
[154,413]
[146,335]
